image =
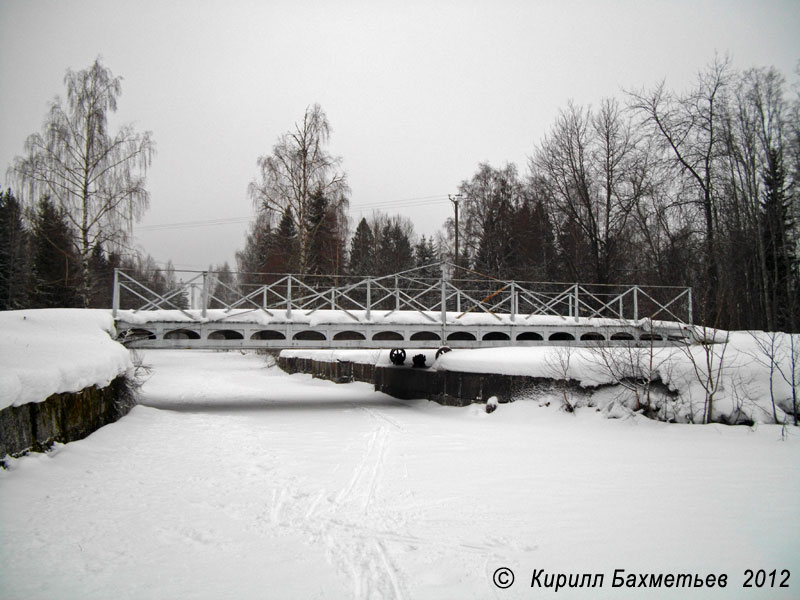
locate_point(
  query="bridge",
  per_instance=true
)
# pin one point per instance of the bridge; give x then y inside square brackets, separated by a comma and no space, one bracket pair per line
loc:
[426,307]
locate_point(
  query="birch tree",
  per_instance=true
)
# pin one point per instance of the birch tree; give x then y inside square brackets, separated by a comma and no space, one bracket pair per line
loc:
[95,177]
[299,167]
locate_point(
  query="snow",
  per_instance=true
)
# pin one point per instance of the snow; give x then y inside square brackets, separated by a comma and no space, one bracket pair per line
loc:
[50,351]
[739,373]
[235,480]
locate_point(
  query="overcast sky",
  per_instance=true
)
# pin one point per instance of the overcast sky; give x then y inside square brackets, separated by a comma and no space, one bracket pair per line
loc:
[417,93]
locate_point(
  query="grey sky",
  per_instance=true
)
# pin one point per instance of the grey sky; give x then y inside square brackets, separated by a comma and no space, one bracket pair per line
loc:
[417,93]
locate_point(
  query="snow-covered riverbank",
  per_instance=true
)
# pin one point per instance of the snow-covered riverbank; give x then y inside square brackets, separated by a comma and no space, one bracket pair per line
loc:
[55,350]
[238,481]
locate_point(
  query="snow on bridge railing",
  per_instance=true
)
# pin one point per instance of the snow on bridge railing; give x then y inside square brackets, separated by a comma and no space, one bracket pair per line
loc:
[429,290]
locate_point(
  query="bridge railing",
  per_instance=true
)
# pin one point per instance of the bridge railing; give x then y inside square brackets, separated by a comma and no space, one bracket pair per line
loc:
[432,290]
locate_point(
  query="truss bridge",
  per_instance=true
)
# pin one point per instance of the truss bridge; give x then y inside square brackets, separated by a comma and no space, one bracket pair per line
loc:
[426,307]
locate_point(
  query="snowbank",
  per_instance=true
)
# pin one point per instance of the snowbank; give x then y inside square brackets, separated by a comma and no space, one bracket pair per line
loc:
[51,351]
[747,379]
[737,375]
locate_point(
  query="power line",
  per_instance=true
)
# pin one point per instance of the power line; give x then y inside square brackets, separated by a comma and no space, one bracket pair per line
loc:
[192,224]
[385,204]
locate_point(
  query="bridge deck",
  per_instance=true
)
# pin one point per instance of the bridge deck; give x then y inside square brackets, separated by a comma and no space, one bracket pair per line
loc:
[351,329]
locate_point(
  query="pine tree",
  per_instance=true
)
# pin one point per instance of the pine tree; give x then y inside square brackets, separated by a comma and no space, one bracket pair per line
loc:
[55,267]
[14,279]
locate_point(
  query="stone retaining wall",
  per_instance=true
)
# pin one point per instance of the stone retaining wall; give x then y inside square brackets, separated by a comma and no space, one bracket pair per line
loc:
[451,388]
[67,417]
[339,371]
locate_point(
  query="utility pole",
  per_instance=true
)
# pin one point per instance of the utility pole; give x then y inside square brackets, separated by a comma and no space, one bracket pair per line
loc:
[455,199]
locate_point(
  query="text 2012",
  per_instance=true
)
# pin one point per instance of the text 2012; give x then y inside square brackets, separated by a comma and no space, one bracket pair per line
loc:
[762,578]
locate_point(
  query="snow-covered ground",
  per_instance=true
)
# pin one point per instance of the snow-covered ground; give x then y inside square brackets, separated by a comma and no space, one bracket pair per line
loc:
[235,480]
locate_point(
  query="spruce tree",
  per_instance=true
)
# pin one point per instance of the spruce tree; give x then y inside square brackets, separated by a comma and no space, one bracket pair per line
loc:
[780,260]
[55,267]
[394,251]
[282,246]
[253,258]
[102,277]
[222,287]
[425,255]
[14,279]
[362,259]
[319,234]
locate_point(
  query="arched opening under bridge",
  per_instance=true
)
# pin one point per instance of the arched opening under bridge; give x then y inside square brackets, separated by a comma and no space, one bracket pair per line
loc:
[181,334]
[349,336]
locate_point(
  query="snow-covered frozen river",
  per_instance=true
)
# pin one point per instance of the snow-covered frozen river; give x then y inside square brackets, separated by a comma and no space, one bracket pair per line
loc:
[235,480]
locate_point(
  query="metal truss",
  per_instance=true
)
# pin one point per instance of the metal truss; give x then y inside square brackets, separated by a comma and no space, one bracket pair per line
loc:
[452,290]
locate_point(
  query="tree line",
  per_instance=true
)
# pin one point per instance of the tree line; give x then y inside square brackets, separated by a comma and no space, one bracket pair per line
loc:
[697,188]
[40,264]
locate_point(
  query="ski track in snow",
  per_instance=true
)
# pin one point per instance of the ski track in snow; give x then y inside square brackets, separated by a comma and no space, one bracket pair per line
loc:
[361,533]
[347,523]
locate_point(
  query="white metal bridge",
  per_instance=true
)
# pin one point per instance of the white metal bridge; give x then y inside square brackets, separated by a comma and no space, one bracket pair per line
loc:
[425,307]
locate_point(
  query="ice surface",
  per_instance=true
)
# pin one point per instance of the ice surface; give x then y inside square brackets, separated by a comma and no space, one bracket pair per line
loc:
[235,480]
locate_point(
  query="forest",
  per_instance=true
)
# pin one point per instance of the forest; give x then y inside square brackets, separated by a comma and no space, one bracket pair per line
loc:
[699,188]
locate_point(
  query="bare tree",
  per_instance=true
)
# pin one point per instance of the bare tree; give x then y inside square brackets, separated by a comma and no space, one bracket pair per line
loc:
[770,350]
[707,364]
[791,371]
[96,178]
[491,198]
[585,170]
[557,363]
[633,366]
[299,167]
[692,130]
